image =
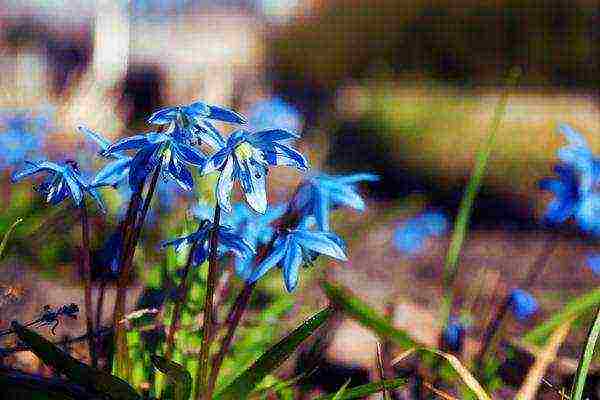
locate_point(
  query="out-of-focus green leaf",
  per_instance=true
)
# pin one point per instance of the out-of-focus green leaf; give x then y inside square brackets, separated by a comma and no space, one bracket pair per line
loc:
[362,391]
[573,308]
[340,393]
[273,358]
[585,360]
[78,372]
[178,377]
[357,309]
[7,235]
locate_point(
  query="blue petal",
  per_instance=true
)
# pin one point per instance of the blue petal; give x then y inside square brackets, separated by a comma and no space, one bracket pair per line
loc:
[320,242]
[291,265]
[112,173]
[256,194]
[96,137]
[226,115]
[216,161]
[190,154]
[276,255]
[588,214]
[274,135]
[74,188]
[34,168]
[355,178]
[128,143]
[523,304]
[181,175]
[573,137]
[286,156]
[142,164]
[163,116]
[593,261]
[225,185]
[207,133]
[97,198]
[197,109]
[321,210]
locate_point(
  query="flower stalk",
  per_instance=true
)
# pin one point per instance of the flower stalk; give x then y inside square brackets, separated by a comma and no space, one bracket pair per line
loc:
[87,271]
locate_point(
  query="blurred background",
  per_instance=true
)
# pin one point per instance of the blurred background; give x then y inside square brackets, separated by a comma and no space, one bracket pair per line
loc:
[403,89]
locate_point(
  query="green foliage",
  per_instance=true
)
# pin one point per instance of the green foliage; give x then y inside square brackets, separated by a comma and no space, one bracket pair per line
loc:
[362,391]
[585,360]
[273,358]
[179,379]
[7,235]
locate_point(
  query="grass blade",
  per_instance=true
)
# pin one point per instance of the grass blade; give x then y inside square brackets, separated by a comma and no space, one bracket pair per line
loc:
[7,235]
[362,391]
[586,359]
[573,308]
[466,205]
[273,358]
[177,376]
[78,372]
[365,315]
[340,393]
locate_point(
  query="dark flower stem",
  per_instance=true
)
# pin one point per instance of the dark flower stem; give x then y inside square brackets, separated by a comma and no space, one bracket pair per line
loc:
[233,321]
[534,272]
[131,234]
[182,292]
[211,283]
[87,271]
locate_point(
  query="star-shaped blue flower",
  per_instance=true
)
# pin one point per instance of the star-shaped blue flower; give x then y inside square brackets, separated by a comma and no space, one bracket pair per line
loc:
[294,248]
[523,304]
[245,157]
[228,242]
[62,181]
[154,147]
[322,193]
[410,238]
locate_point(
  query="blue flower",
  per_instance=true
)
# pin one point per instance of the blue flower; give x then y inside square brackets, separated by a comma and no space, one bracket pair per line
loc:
[593,262]
[294,248]
[453,336]
[228,241]
[62,181]
[274,113]
[20,134]
[245,157]
[321,193]
[410,237]
[523,304]
[193,121]
[153,148]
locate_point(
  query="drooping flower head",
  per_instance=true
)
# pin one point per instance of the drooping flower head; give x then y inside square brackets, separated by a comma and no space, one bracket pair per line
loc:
[62,181]
[245,157]
[523,304]
[575,187]
[411,237]
[320,194]
[295,247]
[228,242]
[453,336]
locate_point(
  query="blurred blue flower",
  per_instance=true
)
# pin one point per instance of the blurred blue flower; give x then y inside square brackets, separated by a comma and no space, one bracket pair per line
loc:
[274,113]
[294,248]
[21,132]
[574,187]
[411,236]
[245,157]
[228,242]
[152,148]
[523,304]
[593,262]
[321,193]
[453,336]
[62,181]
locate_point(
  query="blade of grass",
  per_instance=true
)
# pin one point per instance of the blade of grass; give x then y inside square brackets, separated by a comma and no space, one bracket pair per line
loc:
[586,359]
[365,315]
[273,358]
[7,235]
[362,391]
[382,376]
[340,393]
[466,205]
[536,373]
[573,308]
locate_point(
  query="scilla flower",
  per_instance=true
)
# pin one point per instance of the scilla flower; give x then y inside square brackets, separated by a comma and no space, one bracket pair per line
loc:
[294,248]
[153,148]
[412,235]
[523,304]
[62,181]
[228,241]
[453,336]
[320,194]
[245,157]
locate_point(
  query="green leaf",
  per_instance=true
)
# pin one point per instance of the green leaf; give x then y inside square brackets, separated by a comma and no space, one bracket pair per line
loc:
[7,235]
[78,372]
[362,391]
[273,358]
[177,376]
[573,308]
[365,315]
[340,393]
[586,359]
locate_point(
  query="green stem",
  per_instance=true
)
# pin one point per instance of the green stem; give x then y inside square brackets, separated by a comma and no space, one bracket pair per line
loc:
[586,359]
[182,292]
[466,204]
[87,270]
[208,307]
